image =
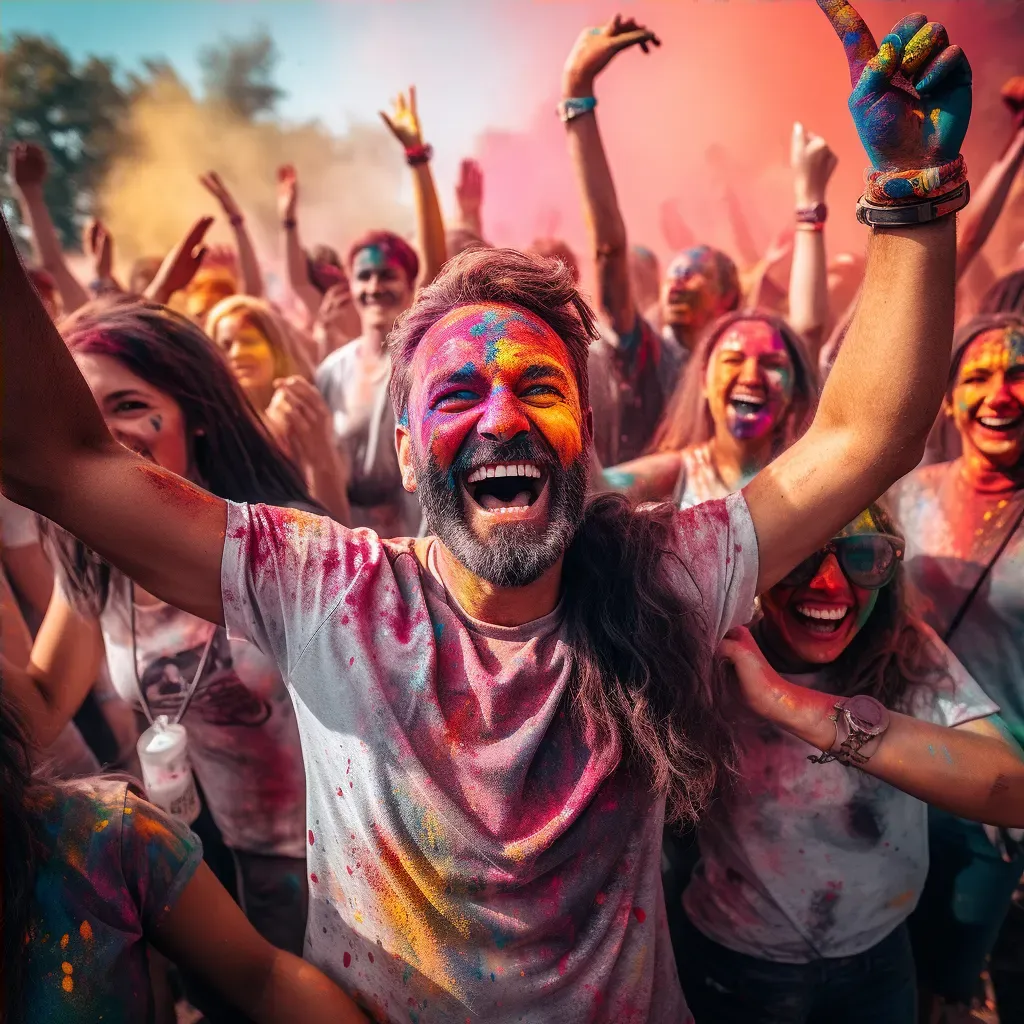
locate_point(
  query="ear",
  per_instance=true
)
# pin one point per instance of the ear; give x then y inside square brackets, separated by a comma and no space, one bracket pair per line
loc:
[403,445]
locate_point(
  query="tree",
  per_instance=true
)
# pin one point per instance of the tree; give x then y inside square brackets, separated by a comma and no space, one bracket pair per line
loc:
[74,112]
[238,73]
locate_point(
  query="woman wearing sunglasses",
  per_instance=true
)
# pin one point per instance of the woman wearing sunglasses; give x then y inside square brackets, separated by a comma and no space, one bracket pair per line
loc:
[811,865]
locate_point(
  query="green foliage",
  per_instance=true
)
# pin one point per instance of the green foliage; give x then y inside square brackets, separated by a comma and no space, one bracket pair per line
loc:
[238,73]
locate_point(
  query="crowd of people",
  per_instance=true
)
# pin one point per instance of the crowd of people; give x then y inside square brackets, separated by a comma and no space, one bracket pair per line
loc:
[427,644]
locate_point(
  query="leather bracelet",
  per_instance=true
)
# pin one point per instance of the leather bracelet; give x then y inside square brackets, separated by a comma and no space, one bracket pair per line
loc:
[417,155]
[910,215]
[289,224]
[576,106]
[816,215]
[236,221]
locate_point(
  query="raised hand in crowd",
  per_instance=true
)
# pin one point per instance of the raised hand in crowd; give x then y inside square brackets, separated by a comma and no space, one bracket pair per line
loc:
[98,245]
[676,233]
[27,168]
[404,124]
[252,276]
[296,263]
[469,197]
[724,171]
[181,264]
[337,320]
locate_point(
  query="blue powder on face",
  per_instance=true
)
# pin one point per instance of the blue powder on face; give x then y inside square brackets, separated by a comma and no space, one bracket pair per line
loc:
[373,257]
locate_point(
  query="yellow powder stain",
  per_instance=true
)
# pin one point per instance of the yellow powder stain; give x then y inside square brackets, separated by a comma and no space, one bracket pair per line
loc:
[85,930]
[902,900]
[101,825]
[987,516]
[128,810]
[358,917]
[431,824]
[67,968]
[67,983]
[64,941]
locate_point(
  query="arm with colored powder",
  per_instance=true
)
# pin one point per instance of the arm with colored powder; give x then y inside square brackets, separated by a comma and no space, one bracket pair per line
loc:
[252,276]
[990,196]
[973,770]
[813,163]
[649,478]
[594,50]
[296,266]
[58,458]
[404,124]
[27,168]
[887,384]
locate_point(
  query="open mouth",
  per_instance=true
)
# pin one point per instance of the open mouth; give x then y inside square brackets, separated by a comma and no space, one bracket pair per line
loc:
[747,406]
[821,619]
[506,487]
[1001,423]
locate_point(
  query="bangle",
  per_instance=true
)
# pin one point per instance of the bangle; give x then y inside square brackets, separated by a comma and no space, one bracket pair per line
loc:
[815,216]
[816,226]
[419,154]
[576,106]
[236,221]
[288,224]
[896,188]
[909,215]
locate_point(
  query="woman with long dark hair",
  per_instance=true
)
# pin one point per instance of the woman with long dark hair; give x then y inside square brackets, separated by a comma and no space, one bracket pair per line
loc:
[965,535]
[749,390]
[93,876]
[808,871]
[166,393]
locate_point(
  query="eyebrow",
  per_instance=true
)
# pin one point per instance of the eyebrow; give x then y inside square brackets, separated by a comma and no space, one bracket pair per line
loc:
[544,371]
[116,396]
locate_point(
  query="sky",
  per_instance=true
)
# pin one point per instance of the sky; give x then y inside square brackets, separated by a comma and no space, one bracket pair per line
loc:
[733,73]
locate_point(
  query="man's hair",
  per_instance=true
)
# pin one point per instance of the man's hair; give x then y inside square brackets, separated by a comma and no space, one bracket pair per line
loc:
[393,246]
[556,249]
[645,681]
[687,419]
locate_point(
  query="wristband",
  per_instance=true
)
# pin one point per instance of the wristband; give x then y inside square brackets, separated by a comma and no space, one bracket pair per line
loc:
[814,216]
[420,154]
[576,106]
[236,221]
[861,722]
[895,188]
[915,213]
[289,224]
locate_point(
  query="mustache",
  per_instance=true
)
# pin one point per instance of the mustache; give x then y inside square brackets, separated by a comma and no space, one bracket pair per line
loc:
[524,448]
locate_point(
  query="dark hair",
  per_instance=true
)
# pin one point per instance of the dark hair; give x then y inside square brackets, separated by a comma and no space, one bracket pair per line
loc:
[716,266]
[556,249]
[1006,295]
[21,793]
[644,677]
[233,455]
[687,419]
[893,654]
[394,247]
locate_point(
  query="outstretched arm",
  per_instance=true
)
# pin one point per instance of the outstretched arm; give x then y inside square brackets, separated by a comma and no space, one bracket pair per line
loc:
[887,383]
[648,478]
[27,168]
[294,256]
[972,770]
[404,124]
[58,458]
[252,276]
[592,53]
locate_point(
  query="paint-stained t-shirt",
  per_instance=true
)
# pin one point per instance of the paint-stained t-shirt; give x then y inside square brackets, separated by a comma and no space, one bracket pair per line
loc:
[952,532]
[112,866]
[809,861]
[470,855]
[698,479]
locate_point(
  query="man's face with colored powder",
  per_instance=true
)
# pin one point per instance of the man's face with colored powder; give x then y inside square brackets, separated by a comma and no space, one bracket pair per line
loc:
[987,401]
[496,441]
[691,293]
[380,288]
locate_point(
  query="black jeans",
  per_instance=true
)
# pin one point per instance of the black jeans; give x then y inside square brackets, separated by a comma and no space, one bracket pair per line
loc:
[724,987]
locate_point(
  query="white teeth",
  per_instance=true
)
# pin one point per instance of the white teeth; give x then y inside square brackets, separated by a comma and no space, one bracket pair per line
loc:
[831,614]
[525,469]
[997,421]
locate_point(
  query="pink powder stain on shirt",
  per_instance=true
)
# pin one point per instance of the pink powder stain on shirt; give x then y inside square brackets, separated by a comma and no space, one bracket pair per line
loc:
[370,955]
[640,914]
[313,878]
[347,959]
[311,837]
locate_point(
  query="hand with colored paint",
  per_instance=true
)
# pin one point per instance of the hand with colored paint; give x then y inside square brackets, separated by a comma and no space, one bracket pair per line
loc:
[595,49]
[404,121]
[27,165]
[181,264]
[813,163]
[1013,96]
[902,129]
[287,192]
[300,420]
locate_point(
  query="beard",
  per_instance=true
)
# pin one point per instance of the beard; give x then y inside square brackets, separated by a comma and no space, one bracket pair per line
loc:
[513,554]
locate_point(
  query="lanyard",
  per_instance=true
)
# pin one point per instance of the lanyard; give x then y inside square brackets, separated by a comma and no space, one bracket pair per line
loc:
[190,692]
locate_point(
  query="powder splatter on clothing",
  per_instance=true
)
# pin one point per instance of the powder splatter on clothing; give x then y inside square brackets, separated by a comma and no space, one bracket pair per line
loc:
[471,855]
[809,861]
[698,479]
[112,866]
[952,531]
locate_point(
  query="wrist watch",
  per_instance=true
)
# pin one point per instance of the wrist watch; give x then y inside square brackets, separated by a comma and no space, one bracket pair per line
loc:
[860,722]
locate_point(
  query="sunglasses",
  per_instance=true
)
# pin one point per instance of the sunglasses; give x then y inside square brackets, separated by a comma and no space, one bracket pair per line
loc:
[869,560]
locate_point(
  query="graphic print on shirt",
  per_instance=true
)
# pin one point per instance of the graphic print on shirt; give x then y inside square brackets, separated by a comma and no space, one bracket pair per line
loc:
[221,698]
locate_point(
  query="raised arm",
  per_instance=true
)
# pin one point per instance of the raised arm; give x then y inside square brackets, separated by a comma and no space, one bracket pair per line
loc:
[990,196]
[252,276]
[296,267]
[469,197]
[592,53]
[739,223]
[888,380]
[27,168]
[98,245]
[813,163]
[58,458]
[181,264]
[404,124]
[972,770]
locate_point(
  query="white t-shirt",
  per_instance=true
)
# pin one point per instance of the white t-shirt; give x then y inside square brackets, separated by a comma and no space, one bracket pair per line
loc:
[243,739]
[18,525]
[470,856]
[810,861]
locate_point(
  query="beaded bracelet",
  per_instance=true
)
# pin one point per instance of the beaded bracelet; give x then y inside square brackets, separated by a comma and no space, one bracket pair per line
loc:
[897,188]
[420,154]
